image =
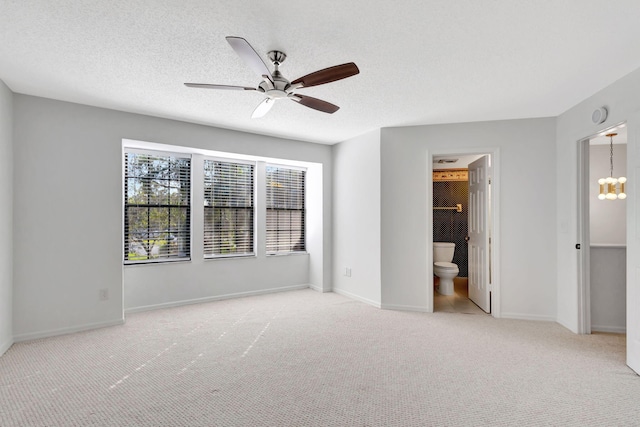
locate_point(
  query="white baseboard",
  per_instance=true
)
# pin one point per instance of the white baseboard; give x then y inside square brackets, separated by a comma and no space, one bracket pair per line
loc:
[213,298]
[319,289]
[521,316]
[609,329]
[568,325]
[64,331]
[404,308]
[356,297]
[5,346]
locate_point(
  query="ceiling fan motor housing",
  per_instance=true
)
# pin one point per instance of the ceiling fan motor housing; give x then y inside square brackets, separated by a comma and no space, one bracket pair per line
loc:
[278,86]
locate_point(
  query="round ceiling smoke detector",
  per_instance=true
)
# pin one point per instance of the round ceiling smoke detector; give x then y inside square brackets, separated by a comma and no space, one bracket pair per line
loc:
[599,115]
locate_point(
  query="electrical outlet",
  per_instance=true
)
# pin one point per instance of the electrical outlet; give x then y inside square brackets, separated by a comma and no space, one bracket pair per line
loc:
[103,294]
[347,272]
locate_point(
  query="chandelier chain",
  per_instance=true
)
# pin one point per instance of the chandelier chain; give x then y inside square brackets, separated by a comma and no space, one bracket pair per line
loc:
[611,156]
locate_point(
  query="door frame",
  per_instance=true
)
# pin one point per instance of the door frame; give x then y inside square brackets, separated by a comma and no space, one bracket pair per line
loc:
[584,239]
[494,220]
[584,236]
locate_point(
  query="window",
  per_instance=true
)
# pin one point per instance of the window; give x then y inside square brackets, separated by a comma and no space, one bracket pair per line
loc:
[228,208]
[285,209]
[157,207]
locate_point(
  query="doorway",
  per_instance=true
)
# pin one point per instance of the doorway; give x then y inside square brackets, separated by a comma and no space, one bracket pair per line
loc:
[602,228]
[452,212]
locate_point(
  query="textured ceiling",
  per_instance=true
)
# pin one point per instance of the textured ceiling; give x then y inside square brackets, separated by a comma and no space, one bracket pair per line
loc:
[421,61]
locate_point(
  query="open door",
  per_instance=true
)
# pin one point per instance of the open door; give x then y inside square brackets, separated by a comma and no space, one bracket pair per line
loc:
[478,242]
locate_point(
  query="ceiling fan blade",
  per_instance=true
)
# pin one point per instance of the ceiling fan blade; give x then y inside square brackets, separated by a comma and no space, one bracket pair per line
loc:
[249,56]
[315,103]
[327,75]
[224,87]
[262,108]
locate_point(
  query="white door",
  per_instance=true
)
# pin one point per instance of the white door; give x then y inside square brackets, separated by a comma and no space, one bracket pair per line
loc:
[633,243]
[478,243]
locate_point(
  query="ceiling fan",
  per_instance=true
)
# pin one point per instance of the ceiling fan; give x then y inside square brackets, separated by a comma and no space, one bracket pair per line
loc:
[275,86]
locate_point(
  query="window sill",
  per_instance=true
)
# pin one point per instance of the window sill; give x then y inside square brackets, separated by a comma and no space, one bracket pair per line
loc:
[287,254]
[229,257]
[163,262]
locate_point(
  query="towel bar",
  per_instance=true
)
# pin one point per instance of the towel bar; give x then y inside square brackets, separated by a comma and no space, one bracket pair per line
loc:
[457,208]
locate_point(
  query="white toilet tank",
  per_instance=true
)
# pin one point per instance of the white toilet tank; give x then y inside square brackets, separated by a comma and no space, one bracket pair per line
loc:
[443,251]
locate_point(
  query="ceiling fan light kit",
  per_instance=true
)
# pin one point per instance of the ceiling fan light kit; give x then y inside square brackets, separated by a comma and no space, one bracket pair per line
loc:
[275,86]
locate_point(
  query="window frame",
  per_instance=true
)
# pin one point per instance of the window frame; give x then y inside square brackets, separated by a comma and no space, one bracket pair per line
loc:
[188,207]
[304,171]
[252,208]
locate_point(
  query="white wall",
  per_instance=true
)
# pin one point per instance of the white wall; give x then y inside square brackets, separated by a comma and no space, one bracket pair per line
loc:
[607,218]
[608,278]
[622,99]
[527,211]
[151,286]
[68,209]
[6,218]
[356,218]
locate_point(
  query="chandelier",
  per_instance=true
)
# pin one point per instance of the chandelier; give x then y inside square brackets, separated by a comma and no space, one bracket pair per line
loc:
[612,188]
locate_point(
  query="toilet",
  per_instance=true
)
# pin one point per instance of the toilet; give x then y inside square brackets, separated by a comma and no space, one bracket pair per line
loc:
[443,267]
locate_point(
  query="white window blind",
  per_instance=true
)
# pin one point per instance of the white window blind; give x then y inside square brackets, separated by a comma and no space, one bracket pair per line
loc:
[285,209]
[157,207]
[228,208]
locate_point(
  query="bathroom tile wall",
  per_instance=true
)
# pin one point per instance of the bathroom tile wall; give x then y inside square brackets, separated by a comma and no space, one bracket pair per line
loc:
[450,225]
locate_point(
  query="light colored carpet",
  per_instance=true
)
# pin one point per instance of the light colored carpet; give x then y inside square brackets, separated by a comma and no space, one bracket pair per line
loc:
[308,359]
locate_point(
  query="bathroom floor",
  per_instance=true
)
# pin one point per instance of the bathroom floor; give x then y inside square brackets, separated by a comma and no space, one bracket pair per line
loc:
[459,302]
